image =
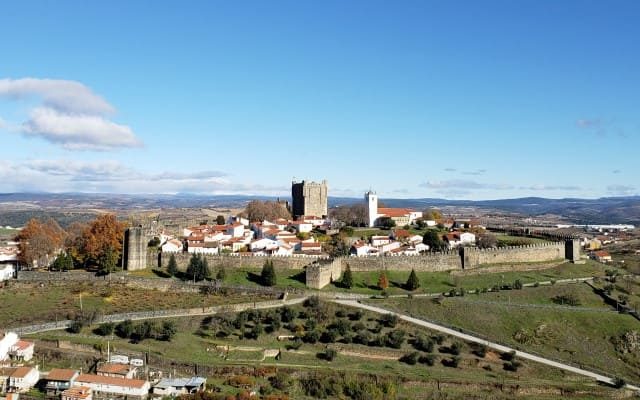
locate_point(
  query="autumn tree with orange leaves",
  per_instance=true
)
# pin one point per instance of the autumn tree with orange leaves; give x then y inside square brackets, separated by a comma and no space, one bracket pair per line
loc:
[40,242]
[102,242]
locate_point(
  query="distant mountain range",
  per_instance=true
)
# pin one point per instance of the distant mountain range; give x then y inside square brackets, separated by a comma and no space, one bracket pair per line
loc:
[602,210]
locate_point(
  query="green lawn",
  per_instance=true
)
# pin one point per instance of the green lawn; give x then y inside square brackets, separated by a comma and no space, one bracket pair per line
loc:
[438,282]
[581,337]
[22,306]
[509,240]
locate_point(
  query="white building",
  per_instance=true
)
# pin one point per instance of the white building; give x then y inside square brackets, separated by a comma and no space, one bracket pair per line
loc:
[301,226]
[179,386]
[107,385]
[22,351]
[23,379]
[7,340]
[401,216]
[7,271]
[380,240]
[11,347]
[172,246]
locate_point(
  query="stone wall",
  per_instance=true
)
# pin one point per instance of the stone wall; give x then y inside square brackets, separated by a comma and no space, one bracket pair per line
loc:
[444,261]
[230,262]
[320,274]
[474,257]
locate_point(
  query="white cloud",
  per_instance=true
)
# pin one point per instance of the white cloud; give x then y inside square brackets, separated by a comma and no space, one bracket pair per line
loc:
[2,123]
[62,95]
[551,187]
[621,190]
[464,184]
[78,131]
[70,115]
[114,177]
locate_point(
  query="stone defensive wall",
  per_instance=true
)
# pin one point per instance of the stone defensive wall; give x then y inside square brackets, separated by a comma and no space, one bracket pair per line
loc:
[444,261]
[467,258]
[543,252]
[236,261]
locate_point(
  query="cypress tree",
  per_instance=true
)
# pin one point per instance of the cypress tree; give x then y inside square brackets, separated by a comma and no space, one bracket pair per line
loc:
[347,278]
[172,266]
[413,282]
[383,281]
[268,274]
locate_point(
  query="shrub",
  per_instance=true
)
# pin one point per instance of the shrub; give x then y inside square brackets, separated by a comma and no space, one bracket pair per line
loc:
[508,356]
[105,329]
[568,299]
[618,382]
[329,354]
[75,326]
[362,337]
[287,314]
[124,329]
[452,362]
[329,336]
[356,316]
[512,365]
[517,284]
[423,343]
[455,348]
[427,359]
[281,381]
[389,320]
[480,350]
[311,337]
[439,338]
[410,358]
[395,339]
[341,313]
[312,302]
[172,266]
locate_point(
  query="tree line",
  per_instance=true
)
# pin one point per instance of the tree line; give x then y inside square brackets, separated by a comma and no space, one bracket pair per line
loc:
[97,243]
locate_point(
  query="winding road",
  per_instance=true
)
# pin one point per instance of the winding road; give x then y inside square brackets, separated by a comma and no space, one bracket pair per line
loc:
[474,339]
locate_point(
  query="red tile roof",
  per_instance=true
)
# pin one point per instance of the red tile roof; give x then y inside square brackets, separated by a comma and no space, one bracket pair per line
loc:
[395,212]
[113,368]
[21,372]
[78,392]
[109,380]
[59,374]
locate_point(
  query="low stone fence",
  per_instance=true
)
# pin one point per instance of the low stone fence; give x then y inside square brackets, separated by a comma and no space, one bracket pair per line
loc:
[142,315]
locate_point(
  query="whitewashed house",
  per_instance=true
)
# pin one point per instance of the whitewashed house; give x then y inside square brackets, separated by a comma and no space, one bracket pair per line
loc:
[179,386]
[172,246]
[108,385]
[23,379]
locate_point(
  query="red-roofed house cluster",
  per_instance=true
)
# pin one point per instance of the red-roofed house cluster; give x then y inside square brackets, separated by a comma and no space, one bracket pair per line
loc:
[399,242]
[281,237]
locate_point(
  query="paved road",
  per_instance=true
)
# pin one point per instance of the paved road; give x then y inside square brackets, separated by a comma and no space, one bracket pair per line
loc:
[474,339]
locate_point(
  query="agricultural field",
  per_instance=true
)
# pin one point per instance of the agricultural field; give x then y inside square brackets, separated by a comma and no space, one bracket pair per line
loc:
[23,306]
[569,323]
[333,345]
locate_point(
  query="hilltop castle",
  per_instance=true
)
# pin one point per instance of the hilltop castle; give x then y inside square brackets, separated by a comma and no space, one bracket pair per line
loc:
[309,198]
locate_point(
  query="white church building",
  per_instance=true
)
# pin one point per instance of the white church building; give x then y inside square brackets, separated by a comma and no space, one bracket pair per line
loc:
[401,216]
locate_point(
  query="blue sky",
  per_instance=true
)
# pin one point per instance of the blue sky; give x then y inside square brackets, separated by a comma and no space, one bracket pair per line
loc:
[455,99]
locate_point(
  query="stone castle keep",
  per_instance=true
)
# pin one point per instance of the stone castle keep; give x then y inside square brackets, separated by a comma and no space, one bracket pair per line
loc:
[309,198]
